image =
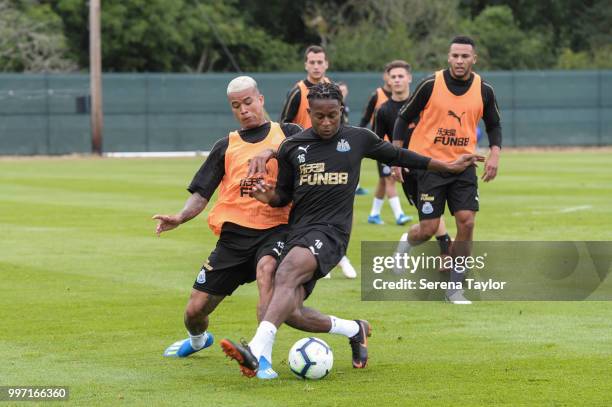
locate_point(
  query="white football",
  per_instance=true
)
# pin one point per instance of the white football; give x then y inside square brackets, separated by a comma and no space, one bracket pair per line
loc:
[311,358]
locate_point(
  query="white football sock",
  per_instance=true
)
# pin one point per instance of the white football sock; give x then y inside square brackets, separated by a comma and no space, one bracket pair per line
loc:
[403,246]
[343,327]
[376,206]
[396,206]
[344,262]
[457,276]
[347,268]
[262,342]
[198,341]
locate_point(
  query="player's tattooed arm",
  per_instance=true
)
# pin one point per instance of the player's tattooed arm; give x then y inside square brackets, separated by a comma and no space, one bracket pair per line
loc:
[193,207]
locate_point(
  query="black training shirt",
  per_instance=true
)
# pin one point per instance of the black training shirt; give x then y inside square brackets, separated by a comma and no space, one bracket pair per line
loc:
[386,116]
[320,176]
[371,107]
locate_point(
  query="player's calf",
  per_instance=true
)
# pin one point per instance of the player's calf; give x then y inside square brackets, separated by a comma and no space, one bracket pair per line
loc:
[265,284]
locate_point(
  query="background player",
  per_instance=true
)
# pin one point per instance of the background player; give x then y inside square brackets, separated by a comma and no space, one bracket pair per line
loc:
[399,73]
[399,76]
[295,109]
[346,111]
[318,171]
[378,97]
[450,104]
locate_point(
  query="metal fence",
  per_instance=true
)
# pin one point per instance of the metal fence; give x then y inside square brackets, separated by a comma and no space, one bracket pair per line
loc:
[48,114]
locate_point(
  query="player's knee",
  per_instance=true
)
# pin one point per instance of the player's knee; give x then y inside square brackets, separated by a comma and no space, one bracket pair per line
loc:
[194,311]
[265,271]
[466,224]
[427,230]
[198,306]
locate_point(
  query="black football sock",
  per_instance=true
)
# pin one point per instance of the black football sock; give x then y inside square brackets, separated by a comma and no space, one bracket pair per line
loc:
[444,243]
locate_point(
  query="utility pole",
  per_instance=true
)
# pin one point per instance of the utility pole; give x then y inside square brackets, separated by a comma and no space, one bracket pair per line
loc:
[95,76]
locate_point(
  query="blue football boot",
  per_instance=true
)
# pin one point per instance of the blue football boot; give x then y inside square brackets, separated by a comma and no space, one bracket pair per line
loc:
[403,219]
[182,349]
[265,370]
[361,191]
[376,220]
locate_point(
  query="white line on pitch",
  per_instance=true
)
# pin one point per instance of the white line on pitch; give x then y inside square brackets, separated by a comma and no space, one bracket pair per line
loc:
[575,209]
[562,210]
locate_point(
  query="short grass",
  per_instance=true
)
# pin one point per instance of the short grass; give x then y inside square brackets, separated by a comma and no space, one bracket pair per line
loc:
[90,297]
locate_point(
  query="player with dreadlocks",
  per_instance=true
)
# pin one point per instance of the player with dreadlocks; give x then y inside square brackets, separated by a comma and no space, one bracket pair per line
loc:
[318,171]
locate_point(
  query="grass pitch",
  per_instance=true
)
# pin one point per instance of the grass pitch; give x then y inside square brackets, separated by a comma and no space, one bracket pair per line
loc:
[90,297]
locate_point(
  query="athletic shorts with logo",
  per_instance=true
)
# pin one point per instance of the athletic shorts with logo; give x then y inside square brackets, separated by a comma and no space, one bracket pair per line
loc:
[326,242]
[435,189]
[234,260]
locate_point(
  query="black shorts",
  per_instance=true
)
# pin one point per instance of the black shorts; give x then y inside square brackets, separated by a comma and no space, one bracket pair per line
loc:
[410,187]
[383,170]
[436,189]
[328,245]
[234,260]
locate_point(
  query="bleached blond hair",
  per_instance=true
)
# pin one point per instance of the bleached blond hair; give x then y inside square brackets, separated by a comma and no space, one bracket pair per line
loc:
[241,83]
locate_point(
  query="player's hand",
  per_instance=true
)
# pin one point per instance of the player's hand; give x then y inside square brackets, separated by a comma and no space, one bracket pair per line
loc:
[263,192]
[398,173]
[465,161]
[257,164]
[490,167]
[166,222]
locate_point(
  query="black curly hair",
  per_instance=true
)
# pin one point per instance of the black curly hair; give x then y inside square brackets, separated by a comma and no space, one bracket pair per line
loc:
[463,39]
[325,90]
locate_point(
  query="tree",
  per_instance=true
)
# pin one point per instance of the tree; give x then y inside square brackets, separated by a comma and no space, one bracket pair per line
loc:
[562,19]
[174,35]
[501,44]
[358,48]
[365,34]
[280,19]
[31,39]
